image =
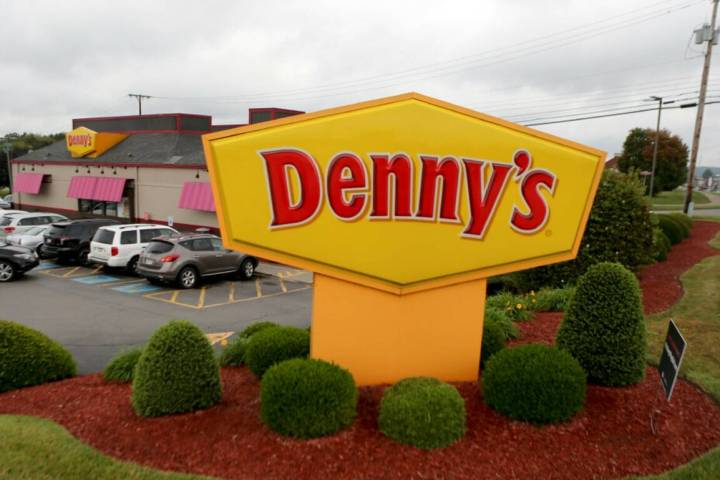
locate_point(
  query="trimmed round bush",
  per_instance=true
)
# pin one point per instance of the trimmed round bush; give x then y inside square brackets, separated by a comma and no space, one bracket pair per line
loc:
[307,398]
[28,357]
[604,327]
[661,246]
[534,383]
[177,372]
[671,228]
[234,354]
[423,412]
[494,315]
[121,368]
[493,340]
[680,223]
[256,327]
[274,345]
[684,219]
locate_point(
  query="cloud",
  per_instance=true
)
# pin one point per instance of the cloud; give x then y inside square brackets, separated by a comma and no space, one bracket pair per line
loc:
[517,59]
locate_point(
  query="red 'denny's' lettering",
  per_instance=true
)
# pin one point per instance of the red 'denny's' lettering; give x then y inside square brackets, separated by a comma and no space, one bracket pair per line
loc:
[347,174]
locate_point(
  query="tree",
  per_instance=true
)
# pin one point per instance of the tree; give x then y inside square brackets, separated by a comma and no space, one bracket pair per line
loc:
[20,144]
[707,174]
[672,157]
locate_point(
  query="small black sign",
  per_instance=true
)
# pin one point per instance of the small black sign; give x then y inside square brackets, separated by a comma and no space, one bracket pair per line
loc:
[671,358]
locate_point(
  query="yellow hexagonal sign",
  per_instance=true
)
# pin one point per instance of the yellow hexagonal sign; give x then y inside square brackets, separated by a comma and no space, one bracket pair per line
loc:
[403,193]
[80,141]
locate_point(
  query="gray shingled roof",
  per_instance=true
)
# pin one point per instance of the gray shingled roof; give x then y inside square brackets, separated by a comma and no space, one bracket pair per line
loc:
[147,148]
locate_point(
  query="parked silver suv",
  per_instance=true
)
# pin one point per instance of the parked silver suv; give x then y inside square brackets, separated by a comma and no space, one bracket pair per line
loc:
[186,258]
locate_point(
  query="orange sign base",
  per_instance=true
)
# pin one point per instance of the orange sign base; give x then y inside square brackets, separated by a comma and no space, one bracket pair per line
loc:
[382,337]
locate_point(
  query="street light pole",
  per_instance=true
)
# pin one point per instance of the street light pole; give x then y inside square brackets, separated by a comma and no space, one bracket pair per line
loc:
[700,109]
[7,148]
[657,142]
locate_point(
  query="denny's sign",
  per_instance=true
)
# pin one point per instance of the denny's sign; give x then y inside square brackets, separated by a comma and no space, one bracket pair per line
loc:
[83,142]
[402,207]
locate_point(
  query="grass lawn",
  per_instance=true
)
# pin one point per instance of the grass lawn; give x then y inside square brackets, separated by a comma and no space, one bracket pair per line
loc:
[677,197]
[38,449]
[33,448]
[697,315]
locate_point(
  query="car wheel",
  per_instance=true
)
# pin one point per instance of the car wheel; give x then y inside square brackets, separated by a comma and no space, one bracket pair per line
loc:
[39,251]
[132,266]
[83,258]
[247,269]
[188,277]
[7,271]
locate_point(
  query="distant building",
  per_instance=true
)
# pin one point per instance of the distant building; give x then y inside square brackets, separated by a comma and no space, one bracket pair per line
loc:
[148,168]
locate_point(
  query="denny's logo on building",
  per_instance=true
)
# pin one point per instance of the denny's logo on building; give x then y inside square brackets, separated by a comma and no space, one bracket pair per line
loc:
[402,194]
[83,142]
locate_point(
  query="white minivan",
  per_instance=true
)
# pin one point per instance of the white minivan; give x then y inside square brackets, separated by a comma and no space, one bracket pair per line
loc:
[121,245]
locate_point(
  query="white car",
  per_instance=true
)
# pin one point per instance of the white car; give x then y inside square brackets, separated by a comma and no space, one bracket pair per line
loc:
[31,238]
[5,203]
[19,222]
[121,245]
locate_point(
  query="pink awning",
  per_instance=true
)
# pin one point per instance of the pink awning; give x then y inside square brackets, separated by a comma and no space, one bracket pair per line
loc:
[107,189]
[197,196]
[82,187]
[26,182]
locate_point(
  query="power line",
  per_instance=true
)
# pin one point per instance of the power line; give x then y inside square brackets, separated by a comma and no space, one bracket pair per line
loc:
[611,115]
[487,58]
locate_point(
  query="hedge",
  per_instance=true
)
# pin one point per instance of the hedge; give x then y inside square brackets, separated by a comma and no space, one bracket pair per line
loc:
[29,357]
[661,245]
[604,327]
[500,317]
[534,383]
[682,218]
[121,368]
[256,327]
[274,345]
[307,398]
[177,372]
[423,412]
[672,228]
[619,230]
[234,354]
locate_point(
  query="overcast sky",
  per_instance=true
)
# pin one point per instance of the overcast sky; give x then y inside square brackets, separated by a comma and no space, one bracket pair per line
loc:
[521,60]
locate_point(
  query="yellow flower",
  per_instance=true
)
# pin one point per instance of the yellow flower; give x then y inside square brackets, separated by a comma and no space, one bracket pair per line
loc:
[224,342]
[532,292]
[519,306]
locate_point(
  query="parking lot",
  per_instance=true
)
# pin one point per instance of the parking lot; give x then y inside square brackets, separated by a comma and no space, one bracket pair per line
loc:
[97,313]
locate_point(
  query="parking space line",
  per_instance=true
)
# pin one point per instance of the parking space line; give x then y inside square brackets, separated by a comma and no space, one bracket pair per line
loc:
[282,284]
[69,274]
[175,294]
[126,282]
[231,293]
[249,299]
[258,288]
[201,300]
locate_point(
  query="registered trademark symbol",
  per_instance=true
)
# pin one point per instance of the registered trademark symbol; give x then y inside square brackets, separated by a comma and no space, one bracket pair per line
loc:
[548,233]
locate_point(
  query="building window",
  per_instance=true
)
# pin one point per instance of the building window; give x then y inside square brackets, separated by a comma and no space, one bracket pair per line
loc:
[106,209]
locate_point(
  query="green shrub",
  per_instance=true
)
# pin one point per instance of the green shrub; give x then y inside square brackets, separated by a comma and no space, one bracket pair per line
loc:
[604,327]
[28,357]
[552,299]
[307,398]
[493,340]
[671,228]
[121,368]
[256,327]
[684,219]
[509,329]
[515,306]
[618,230]
[234,354]
[684,228]
[176,372]
[661,245]
[423,412]
[274,345]
[534,383]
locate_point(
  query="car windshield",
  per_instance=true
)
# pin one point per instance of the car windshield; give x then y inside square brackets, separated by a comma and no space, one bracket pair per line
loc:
[104,236]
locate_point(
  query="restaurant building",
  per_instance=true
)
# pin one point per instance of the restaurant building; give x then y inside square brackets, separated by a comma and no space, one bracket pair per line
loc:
[148,168]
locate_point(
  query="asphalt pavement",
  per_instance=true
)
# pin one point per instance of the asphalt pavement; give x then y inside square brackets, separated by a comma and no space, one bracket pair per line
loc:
[97,314]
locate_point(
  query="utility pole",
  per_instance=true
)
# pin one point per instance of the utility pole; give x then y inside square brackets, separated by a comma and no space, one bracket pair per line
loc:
[140,98]
[657,142]
[700,108]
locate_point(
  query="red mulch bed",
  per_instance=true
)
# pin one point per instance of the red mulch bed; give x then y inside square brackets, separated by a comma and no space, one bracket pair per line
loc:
[610,438]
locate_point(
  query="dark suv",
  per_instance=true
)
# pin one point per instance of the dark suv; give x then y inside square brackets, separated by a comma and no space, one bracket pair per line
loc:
[70,240]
